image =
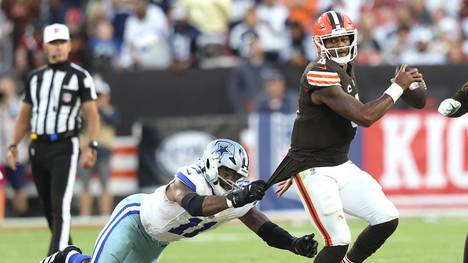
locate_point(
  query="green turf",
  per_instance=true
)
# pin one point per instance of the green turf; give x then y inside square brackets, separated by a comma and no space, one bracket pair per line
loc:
[416,241]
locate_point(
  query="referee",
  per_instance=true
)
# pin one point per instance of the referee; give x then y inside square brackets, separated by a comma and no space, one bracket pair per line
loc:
[55,94]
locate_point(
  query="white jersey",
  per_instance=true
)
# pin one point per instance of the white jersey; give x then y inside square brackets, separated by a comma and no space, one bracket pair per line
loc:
[167,221]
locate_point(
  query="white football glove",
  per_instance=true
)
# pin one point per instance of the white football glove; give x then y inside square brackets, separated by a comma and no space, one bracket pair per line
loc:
[448,107]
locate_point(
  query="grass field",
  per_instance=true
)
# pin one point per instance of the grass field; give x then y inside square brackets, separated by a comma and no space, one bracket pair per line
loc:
[416,241]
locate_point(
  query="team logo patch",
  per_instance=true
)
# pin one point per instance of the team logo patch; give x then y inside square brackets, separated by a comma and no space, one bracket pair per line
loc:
[66,97]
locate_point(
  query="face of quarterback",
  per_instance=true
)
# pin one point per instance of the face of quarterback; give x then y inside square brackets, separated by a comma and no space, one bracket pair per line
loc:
[337,42]
[228,177]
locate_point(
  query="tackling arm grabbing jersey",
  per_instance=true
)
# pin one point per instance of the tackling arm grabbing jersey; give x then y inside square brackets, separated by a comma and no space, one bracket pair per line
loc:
[201,197]
[457,105]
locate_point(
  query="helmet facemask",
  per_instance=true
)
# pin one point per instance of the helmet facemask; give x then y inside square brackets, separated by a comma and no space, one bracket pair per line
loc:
[334,53]
[229,179]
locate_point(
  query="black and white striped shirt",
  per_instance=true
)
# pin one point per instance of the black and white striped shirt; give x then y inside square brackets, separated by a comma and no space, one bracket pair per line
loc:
[56,92]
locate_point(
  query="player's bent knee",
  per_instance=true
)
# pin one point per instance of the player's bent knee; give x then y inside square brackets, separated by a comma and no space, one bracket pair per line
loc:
[391,213]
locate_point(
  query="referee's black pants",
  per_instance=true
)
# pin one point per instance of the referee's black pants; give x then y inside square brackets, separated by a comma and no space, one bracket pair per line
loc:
[54,166]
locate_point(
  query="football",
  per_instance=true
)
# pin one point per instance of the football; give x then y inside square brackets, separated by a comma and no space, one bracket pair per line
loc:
[415,96]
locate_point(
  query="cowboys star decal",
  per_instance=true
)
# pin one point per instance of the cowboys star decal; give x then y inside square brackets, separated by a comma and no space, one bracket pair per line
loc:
[222,149]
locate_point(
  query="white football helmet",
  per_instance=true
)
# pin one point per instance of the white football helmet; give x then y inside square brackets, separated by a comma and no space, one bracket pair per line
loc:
[224,153]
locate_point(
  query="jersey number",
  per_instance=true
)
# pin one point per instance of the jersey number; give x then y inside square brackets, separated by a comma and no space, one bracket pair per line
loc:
[192,223]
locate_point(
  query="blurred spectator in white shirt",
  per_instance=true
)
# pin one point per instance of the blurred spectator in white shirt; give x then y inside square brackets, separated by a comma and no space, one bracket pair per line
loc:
[146,44]
[241,34]
[275,16]
[398,43]
[239,9]
[422,53]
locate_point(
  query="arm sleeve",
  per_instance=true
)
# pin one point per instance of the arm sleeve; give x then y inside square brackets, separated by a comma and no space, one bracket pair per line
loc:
[87,88]
[275,236]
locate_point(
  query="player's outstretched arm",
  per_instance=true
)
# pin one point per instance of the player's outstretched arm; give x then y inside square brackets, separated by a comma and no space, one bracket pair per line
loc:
[201,205]
[277,237]
[457,105]
[368,113]
[193,203]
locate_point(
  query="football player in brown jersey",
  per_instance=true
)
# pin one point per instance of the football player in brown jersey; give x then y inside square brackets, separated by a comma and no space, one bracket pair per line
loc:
[328,183]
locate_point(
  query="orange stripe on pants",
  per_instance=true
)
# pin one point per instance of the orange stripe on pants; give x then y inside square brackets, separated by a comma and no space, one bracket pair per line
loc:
[311,208]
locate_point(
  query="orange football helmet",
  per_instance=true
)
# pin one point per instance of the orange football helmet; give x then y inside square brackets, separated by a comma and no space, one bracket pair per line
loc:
[333,24]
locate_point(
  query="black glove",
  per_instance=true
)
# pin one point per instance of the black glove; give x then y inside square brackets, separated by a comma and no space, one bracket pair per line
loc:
[250,193]
[305,246]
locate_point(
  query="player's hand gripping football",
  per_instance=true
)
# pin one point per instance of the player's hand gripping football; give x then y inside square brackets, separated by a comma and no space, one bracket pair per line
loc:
[248,194]
[404,77]
[305,246]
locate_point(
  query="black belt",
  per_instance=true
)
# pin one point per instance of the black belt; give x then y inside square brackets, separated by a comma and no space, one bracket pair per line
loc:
[53,137]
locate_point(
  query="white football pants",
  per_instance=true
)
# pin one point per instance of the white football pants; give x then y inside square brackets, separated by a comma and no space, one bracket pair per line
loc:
[329,192]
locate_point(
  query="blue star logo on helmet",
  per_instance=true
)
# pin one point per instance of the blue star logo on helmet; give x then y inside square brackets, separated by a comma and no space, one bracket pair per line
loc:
[225,149]
[222,150]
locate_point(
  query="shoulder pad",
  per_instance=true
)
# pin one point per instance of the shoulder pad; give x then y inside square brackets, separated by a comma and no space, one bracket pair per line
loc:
[191,176]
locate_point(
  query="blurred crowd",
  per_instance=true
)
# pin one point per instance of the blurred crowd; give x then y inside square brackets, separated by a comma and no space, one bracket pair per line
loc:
[179,34]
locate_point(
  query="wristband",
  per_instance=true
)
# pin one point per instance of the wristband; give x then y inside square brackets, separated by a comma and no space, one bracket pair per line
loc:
[394,91]
[12,146]
[93,145]
[229,203]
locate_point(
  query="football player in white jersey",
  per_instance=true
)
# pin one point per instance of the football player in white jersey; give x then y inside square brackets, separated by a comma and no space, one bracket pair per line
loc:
[201,197]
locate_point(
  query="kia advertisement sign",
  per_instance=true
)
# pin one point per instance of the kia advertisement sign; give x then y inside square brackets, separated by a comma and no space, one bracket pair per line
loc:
[420,159]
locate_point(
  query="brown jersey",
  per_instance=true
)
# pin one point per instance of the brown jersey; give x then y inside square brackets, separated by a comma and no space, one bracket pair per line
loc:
[320,136]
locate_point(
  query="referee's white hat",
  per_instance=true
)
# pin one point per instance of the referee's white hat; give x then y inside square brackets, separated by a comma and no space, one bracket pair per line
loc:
[56,32]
